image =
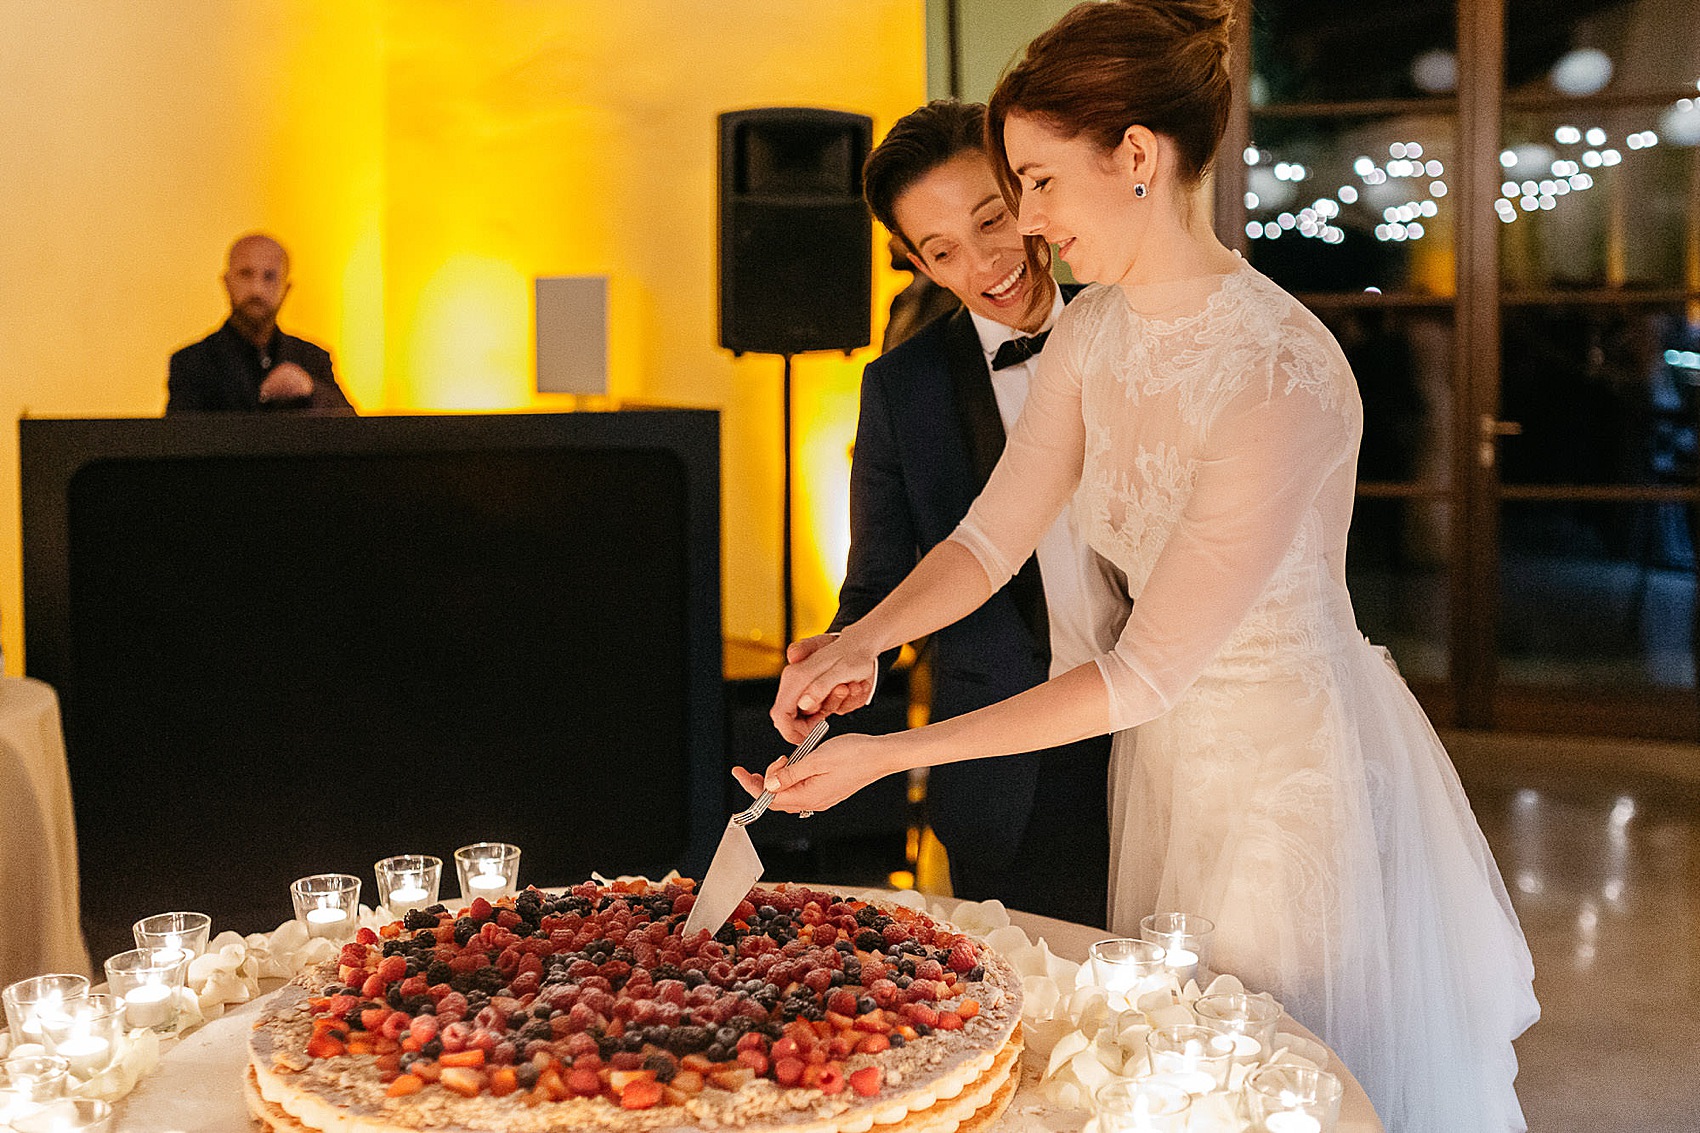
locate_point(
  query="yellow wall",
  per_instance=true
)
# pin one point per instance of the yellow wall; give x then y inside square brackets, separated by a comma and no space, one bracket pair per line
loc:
[423,160]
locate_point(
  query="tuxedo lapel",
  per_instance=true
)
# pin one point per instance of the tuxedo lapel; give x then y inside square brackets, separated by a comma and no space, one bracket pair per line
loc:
[982,430]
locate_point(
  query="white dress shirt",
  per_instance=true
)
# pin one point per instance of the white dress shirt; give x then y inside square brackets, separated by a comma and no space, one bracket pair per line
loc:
[1084,602]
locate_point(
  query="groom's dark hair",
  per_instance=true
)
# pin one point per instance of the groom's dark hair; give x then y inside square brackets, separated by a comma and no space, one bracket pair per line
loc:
[918,143]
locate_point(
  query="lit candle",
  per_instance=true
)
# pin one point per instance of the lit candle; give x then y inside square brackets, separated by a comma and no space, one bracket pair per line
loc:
[488,881]
[148,1006]
[1243,1046]
[326,922]
[1292,1121]
[86,1054]
[406,898]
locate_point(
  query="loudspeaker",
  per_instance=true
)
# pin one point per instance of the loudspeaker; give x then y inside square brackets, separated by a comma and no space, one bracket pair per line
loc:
[796,244]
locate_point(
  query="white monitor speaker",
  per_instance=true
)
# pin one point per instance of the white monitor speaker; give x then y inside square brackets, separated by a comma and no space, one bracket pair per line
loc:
[572,334]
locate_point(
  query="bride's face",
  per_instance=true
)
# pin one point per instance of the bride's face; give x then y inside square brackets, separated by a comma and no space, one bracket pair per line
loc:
[1078,197]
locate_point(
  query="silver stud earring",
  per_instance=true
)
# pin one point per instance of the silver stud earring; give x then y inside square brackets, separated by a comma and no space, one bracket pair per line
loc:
[1139,188]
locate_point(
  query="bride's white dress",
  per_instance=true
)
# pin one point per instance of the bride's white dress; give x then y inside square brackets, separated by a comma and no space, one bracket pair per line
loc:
[1272,771]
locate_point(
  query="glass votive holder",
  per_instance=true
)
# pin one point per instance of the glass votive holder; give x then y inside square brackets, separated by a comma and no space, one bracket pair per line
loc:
[86,1034]
[185,931]
[1190,1057]
[29,1001]
[1126,967]
[328,904]
[27,1083]
[488,870]
[1246,1020]
[1185,938]
[147,980]
[1292,1099]
[68,1115]
[1128,1105]
[408,881]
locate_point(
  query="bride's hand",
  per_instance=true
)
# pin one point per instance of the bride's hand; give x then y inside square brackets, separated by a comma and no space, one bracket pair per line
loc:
[830,774]
[826,675]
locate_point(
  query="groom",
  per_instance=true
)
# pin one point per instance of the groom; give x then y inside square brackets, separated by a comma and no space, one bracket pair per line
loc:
[1028,829]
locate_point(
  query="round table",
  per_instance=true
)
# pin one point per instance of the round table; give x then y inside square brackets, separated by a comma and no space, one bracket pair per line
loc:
[42,930]
[198,1087]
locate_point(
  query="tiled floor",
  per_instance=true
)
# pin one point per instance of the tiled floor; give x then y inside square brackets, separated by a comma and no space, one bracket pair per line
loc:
[1599,842]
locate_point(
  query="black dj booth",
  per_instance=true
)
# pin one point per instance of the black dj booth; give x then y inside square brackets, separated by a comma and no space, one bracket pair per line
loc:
[287,646]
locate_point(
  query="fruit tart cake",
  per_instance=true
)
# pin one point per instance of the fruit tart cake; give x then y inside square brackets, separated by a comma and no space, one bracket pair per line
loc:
[591,1010]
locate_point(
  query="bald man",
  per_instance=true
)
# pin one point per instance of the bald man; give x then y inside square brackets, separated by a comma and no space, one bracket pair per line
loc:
[248,365]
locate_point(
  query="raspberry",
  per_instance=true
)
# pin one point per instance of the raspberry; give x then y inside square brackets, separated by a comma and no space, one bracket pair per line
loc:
[895,933]
[842,1002]
[392,969]
[962,956]
[929,970]
[479,910]
[819,979]
[824,935]
[788,1071]
[920,1013]
[884,992]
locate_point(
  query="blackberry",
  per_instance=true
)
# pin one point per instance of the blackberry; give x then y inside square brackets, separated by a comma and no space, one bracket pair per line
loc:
[869,917]
[718,1053]
[977,972]
[727,935]
[906,966]
[631,1041]
[664,1065]
[624,954]
[666,972]
[433,1049]
[607,1045]
[418,919]
[419,1005]
[869,941]
[922,1029]
[439,973]
[333,989]
[526,1075]
[394,997]
[694,978]
[659,1035]
[771,1029]
[689,1040]
[767,912]
[528,904]
[393,947]
[852,970]
[435,911]
[352,1017]
[465,929]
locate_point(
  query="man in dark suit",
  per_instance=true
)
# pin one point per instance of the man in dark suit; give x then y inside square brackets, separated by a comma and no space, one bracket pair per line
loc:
[1031,829]
[248,364]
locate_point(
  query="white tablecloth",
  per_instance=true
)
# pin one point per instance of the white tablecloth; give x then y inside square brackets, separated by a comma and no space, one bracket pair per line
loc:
[41,930]
[198,1088]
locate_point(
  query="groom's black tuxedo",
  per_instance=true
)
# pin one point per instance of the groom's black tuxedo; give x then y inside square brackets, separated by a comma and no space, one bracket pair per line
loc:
[1030,829]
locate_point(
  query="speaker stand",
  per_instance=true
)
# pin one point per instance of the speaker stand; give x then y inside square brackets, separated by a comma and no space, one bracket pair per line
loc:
[788,618]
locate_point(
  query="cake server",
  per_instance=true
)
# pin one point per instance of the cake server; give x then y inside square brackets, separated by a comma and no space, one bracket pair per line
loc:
[736,867]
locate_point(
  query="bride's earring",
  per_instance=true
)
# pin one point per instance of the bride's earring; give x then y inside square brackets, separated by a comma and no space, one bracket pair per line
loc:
[1139,188]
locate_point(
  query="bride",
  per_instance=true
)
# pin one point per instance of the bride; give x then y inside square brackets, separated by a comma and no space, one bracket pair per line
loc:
[1285,784]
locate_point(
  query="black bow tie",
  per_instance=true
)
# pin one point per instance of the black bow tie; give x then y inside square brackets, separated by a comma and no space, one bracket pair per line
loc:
[1018,350]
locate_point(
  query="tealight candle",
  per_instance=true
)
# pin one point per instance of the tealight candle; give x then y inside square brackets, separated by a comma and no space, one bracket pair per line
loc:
[1185,938]
[1186,1056]
[1143,1106]
[147,1006]
[1249,1020]
[86,1035]
[409,881]
[327,903]
[487,869]
[72,1115]
[174,932]
[1126,967]
[28,1082]
[86,1055]
[1293,1099]
[147,980]
[29,1002]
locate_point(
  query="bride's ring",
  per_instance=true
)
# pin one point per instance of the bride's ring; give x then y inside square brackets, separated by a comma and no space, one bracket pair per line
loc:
[805,814]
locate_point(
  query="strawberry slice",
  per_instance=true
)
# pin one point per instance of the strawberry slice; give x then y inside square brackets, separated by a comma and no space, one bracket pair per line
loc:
[866,1081]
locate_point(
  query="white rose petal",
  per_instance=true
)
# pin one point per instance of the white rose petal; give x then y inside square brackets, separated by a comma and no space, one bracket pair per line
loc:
[1067,1047]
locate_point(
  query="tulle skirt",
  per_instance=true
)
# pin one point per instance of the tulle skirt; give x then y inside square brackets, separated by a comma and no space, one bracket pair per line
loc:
[1309,809]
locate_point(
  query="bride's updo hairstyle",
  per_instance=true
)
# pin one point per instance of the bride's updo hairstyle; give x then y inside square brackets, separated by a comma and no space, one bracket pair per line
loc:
[1110,64]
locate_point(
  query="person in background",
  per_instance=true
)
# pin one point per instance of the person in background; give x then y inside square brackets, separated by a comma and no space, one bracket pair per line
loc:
[248,364]
[1031,831]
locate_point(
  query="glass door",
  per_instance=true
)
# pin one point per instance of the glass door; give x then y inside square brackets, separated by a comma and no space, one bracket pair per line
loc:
[1495,207]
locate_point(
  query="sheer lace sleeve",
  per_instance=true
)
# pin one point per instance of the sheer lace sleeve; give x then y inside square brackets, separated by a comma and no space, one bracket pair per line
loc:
[1040,466]
[1288,437]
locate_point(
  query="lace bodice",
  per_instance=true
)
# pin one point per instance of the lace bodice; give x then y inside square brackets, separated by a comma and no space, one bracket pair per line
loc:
[1214,455]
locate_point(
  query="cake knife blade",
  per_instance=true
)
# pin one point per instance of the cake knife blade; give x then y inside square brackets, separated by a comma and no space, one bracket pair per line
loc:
[736,867]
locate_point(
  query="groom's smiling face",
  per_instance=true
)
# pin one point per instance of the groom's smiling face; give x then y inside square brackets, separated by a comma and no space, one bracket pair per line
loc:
[965,240]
